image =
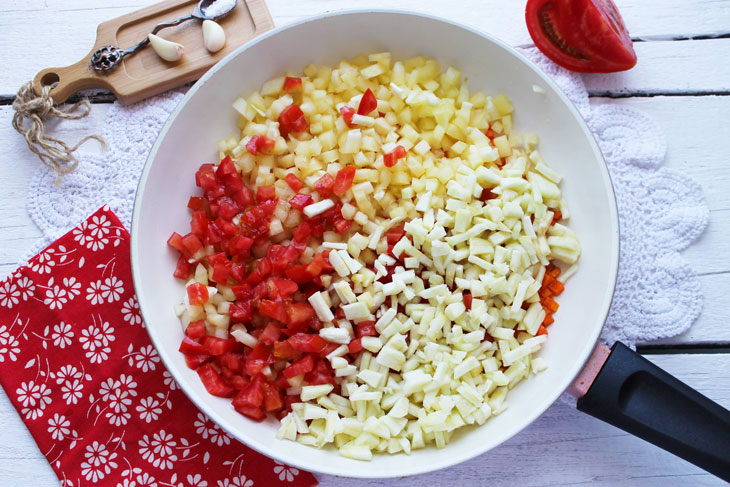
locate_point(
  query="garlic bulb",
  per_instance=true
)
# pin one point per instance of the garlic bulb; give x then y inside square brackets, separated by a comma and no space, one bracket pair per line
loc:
[167,50]
[214,37]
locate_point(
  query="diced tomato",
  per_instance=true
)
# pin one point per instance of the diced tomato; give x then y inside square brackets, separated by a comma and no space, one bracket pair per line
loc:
[259,358]
[227,209]
[265,193]
[273,309]
[225,167]
[291,120]
[317,265]
[344,179]
[183,268]
[355,346]
[368,103]
[298,273]
[196,203]
[195,360]
[218,346]
[308,343]
[588,36]
[175,241]
[191,244]
[299,314]
[329,348]
[325,185]
[243,197]
[365,329]
[230,361]
[240,246]
[241,311]
[300,201]
[301,366]
[270,334]
[320,374]
[347,113]
[285,287]
[189,345]
[284,350]
[221,272]
[214,383]
[195,329]
[294,182]
[272,398]
[292,84]
[467,300]
[238,382]
[206,180]
[260,144]
[391,158]
[341,225]
[249,401]
[394,234]
[197,294]
[489,133]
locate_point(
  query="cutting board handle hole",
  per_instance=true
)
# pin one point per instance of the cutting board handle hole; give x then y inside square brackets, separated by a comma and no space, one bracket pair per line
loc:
[50,79]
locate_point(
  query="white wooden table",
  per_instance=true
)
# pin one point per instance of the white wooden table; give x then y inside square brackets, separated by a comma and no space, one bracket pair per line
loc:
[682,80]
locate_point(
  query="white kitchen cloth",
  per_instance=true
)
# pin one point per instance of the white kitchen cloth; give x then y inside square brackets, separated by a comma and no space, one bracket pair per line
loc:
[661,211]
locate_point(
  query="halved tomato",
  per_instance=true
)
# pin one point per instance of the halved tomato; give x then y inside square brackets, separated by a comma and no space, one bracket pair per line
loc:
[588,36]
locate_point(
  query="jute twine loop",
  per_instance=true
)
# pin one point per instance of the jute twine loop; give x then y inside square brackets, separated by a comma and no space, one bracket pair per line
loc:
[31,111]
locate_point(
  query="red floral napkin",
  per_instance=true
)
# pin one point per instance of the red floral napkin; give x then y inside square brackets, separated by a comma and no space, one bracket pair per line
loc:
[79,367]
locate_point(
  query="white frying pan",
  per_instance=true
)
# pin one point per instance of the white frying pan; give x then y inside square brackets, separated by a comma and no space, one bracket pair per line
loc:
[205,115]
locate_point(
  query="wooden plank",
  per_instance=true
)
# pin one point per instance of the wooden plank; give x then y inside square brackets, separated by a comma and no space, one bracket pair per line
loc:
[563,447]
[69,29]
[669,67]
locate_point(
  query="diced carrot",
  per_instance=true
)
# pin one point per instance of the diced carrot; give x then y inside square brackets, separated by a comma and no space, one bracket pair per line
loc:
[544,293]
[556,287]
[549,320]
[547,279]
[556,217]
[549,304]
[542,330]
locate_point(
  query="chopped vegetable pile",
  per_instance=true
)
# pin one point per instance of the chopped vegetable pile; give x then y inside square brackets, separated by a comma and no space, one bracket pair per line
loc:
[375,259]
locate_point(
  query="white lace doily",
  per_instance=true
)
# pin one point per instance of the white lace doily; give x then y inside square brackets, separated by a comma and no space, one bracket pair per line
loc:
[661,211]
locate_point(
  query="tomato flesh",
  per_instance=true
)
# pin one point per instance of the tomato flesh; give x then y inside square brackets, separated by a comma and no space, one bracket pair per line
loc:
[344,179]
[588,36]
[368,103]
[292,84]
[291,120]
[325,185]
[347,114]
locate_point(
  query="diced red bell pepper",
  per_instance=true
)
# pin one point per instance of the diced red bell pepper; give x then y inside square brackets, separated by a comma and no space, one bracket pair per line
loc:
[218,346]
[259,358]
[197,294]
[308,343]
[183,268]
[368,103]
[325,185]
[189,345]
[195,329]
[294,182]
[195,360]
[299,201]
[347,113]
[291,120]
[344,179]
[214,383]
[301,366]
[292,84]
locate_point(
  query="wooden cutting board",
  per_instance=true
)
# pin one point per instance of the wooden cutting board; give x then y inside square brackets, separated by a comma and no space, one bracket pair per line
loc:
[144,73]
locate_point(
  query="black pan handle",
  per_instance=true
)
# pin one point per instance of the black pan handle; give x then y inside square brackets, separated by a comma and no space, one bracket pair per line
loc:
[635,395]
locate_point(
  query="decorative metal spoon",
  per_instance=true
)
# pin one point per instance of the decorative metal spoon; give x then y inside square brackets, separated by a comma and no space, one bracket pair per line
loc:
[107,58]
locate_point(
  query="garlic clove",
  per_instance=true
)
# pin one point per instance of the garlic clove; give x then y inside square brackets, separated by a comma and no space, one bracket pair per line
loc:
[214,37]
[167,50]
